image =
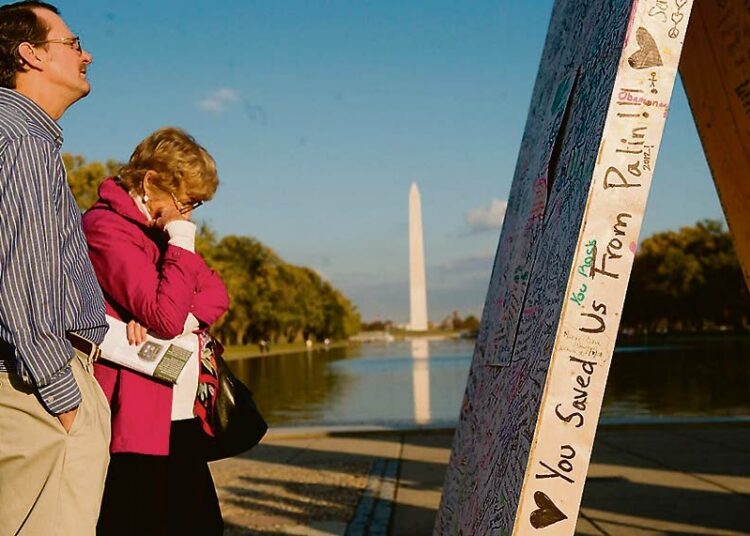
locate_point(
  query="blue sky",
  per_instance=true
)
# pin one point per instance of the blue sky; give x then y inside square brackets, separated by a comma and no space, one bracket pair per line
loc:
[320,114]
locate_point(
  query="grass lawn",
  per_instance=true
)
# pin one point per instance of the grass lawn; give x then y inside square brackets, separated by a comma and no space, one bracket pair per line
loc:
[232,352]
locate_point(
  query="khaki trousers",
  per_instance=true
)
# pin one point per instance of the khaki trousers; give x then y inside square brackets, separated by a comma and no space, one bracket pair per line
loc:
[51,481]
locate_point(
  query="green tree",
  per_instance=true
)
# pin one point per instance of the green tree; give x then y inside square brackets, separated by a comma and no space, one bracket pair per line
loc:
[687,280]
[84,177]
[471,323]
[248,270]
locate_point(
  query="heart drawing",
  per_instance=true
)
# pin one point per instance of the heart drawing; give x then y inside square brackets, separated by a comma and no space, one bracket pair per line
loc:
[647,55]
[547,514]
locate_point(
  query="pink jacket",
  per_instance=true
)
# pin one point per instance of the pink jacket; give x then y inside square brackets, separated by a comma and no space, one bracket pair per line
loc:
[146,279]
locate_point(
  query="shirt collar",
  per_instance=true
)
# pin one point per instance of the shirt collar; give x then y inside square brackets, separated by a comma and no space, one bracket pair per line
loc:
[33,112]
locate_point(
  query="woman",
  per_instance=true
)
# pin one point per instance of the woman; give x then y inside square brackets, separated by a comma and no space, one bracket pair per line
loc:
[141,243]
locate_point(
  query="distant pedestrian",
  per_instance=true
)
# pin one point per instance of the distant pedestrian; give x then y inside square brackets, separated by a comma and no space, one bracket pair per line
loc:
[54,419]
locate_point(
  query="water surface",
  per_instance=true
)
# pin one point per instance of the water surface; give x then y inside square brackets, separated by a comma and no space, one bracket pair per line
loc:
[422,382]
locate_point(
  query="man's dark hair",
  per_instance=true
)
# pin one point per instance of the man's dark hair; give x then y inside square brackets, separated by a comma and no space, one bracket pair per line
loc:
[19,24]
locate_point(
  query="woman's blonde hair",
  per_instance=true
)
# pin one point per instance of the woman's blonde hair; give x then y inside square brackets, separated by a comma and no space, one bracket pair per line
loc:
[182,166]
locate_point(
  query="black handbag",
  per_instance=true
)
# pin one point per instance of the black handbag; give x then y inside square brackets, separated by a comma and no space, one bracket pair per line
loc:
[237,424]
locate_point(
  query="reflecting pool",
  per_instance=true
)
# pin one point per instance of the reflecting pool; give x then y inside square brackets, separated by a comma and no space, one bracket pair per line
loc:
[422,382]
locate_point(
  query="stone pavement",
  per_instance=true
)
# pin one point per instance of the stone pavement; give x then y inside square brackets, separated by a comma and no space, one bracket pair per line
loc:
[643,480]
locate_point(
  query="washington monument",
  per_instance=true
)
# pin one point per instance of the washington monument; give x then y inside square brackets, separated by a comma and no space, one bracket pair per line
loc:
[417,285]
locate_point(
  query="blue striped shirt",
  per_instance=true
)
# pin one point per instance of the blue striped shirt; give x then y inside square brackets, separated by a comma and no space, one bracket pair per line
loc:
[47,283]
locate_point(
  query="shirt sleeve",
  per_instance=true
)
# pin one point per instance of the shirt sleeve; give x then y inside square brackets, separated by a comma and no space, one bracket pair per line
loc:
[182,234]
[31,277]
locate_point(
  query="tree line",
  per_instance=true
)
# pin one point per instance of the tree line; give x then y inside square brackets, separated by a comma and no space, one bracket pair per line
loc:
[271,299]
[687,280]
[454,322]
[684,280]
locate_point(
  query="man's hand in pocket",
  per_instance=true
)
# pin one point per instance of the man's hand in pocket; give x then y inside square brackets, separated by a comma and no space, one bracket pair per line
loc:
[67,419]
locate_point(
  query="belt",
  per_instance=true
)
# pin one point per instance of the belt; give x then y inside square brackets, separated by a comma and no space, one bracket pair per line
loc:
[84,345]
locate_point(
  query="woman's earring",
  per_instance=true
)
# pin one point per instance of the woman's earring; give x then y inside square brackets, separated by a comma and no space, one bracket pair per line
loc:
[145,198]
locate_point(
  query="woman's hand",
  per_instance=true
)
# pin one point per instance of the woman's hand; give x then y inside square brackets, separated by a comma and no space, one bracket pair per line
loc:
[169,213]
[136,333]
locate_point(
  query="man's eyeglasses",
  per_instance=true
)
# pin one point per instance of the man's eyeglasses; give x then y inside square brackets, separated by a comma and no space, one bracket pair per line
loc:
[185,208]
[72,42]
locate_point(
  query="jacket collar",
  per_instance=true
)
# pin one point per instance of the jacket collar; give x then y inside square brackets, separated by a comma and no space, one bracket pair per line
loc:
[116,198]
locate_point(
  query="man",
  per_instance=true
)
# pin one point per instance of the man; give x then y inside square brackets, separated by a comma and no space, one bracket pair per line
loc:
[54,419]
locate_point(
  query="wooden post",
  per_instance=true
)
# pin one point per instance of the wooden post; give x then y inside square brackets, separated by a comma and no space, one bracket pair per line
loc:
[715,69]
[523,444]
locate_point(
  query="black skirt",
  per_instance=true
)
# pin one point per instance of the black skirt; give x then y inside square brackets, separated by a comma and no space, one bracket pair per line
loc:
[160,495]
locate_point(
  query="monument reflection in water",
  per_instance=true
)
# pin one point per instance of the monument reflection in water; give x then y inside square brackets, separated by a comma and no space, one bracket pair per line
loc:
[420,353]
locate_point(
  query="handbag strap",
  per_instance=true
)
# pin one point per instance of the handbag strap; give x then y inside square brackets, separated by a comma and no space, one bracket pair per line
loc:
[208,382]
